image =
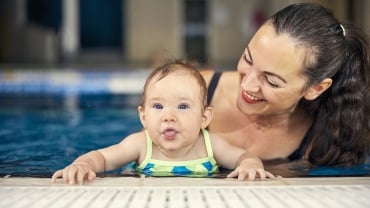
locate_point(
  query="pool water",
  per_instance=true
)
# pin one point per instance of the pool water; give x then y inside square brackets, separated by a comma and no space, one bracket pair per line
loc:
[36,140]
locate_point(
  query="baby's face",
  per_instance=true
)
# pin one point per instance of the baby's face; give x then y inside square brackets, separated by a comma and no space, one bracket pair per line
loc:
[173,112]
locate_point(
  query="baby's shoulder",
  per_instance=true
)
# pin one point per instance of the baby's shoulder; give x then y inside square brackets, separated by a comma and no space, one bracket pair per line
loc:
[138,138]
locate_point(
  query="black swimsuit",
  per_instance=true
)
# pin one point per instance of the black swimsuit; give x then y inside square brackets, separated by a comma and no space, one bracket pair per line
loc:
[296,155]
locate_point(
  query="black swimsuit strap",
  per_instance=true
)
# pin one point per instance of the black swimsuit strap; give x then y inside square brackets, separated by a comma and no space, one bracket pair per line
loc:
[300,152]
[212,86]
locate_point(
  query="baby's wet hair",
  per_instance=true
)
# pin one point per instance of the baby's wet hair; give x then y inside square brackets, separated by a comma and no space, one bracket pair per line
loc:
[178,65]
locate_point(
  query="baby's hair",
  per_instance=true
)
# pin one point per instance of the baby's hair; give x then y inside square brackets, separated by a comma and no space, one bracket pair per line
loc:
[175,66]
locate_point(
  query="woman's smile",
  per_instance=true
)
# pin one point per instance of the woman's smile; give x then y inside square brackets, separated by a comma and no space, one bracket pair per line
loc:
[249,98]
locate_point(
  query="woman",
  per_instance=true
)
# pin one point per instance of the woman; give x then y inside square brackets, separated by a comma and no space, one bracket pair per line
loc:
[302,90]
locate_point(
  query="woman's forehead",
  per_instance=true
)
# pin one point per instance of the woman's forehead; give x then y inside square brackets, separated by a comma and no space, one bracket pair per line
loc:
[272,51]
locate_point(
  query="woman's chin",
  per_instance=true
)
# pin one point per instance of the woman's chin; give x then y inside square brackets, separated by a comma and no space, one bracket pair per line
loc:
[246,108]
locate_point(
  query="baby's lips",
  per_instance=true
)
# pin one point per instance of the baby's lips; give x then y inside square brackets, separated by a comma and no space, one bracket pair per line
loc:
[169,133]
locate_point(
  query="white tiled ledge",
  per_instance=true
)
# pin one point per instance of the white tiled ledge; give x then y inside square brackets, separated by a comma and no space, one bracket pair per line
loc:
[184,181]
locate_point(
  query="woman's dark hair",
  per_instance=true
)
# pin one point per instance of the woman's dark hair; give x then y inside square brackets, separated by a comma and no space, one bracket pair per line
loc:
[340,130]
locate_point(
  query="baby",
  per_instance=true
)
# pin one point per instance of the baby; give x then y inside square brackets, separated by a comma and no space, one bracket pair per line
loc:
[174,141]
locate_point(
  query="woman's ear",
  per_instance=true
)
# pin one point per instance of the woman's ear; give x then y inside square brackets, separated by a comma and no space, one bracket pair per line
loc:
[141,110]
[207,117]
[316,90]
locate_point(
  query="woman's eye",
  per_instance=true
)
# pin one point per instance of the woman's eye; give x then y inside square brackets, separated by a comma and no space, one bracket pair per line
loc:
[246,59]
[271,83]
[183,106]
[158,106]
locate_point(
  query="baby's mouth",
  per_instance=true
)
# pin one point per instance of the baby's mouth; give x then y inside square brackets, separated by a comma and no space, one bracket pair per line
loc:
[169,133]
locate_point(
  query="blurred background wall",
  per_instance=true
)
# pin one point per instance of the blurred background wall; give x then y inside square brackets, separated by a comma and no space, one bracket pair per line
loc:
[137,33]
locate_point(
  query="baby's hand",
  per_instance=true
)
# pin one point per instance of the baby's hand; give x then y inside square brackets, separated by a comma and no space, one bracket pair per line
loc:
[75,173]
[249,169]
[250,174]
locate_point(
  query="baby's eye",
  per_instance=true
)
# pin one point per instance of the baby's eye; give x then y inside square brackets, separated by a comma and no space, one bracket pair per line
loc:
[158,106]
[183,106]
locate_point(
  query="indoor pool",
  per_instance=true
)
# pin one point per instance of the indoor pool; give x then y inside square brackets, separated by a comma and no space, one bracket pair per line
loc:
[43,129]
[38,141]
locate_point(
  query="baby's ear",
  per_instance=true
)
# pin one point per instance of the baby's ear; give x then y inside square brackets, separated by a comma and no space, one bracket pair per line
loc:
[141,110]
[207,117]
[316,90]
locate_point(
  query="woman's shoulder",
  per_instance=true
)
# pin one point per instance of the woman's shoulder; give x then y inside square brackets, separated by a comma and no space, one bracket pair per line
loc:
[207,75]
[230,78]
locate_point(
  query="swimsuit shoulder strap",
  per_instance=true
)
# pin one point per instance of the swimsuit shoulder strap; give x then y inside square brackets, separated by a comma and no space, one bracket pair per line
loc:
[212,86]
[149,146]
[207,142]
[300,151]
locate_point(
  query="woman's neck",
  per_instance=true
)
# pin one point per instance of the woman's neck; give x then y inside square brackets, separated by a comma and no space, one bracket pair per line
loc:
[281,120]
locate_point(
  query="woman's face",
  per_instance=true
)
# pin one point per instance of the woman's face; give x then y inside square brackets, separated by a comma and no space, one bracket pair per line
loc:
[271,82]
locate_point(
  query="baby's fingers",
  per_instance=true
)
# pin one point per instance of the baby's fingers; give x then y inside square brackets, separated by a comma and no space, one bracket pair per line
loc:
[91,175]
[251,175]
[261,173]
[270,175]
[264,174]
[70,174]
[85,174]
[243,174]
[81,175]
[233,174]
[56,175]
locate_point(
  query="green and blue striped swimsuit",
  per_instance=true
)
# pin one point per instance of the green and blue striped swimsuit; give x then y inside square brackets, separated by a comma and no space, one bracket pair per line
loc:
[196,168]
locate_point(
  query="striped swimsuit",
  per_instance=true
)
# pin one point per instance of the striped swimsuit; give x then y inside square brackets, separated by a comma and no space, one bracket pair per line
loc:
[198,167]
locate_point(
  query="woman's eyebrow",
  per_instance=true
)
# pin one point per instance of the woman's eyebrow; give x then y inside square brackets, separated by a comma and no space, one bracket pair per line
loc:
[249,55]
[266,72]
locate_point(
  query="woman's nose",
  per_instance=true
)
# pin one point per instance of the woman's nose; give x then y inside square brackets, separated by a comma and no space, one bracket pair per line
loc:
[251,82]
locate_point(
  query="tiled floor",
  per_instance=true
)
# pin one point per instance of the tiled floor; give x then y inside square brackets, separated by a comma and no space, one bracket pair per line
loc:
[187,192]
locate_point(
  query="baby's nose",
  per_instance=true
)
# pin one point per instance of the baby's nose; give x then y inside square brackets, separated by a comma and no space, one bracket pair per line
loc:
[169,118]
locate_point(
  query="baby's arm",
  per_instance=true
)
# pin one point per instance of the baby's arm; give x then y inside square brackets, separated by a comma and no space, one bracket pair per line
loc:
[245,164]
[85,167]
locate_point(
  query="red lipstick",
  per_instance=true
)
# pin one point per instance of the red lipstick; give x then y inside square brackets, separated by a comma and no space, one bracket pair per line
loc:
[247,99]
